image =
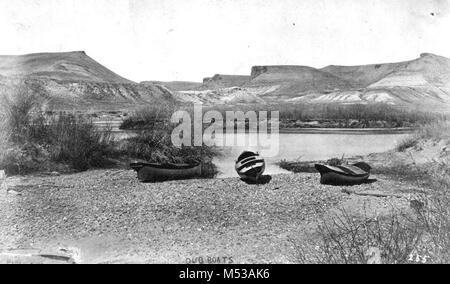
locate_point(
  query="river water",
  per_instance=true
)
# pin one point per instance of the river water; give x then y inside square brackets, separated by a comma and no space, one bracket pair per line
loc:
[309,147]
[302,145]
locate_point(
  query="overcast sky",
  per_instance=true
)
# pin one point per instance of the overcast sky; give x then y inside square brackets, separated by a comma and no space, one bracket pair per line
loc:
[192,39]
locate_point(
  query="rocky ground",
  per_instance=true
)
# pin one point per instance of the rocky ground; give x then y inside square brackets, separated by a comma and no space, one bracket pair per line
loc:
[108,216]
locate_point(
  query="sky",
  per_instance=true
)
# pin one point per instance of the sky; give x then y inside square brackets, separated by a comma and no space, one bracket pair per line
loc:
[188,40]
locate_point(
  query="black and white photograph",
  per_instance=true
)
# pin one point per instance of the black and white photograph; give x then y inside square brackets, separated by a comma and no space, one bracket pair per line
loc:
[223,133]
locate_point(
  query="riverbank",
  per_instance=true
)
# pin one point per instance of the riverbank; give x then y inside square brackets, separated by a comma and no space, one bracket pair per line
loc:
[425,146]
[362,131]
[108,216]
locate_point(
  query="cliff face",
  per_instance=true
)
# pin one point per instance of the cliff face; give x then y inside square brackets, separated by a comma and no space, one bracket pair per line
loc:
[225,81]
[74,80]
[283,69]
[422,83]
[293,80]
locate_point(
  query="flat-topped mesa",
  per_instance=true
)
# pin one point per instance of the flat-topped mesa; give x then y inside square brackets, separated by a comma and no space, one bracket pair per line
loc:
[258,70]
[427,54]
[225,81]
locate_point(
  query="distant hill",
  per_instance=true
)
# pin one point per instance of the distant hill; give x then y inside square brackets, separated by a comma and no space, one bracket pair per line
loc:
[73,80]
[422,83]
[225,81]
[176,85]
[427,69]
[71,66]
[294,80]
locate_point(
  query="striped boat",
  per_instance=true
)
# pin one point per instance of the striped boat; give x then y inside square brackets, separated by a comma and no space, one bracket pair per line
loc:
[250,166]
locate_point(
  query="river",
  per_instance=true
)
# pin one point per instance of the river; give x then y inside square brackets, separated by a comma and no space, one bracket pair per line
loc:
[299,144]
[309,147]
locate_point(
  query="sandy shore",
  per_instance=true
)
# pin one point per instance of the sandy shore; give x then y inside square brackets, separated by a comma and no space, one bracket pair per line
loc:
[108,216]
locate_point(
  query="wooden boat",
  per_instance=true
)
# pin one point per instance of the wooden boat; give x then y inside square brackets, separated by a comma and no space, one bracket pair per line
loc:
[149,172]
[343,174]
[250,166]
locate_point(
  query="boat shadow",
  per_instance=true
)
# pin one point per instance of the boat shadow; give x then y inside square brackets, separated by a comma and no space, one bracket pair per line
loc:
[368,181]
[265,179]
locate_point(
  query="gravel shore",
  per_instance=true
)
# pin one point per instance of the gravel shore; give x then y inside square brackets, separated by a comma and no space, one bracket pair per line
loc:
[108,216]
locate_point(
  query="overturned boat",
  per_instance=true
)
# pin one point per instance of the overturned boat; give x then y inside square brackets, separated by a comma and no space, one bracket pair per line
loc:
[250,166]
[153,172]
[343,174]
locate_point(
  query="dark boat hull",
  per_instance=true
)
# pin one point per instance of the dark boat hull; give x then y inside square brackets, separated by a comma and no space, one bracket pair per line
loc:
[148,172]
[341,175]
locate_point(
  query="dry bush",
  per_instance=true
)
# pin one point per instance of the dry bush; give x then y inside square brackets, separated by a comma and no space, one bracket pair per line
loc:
[32,141]
[437,130]
[153,142]
[350,239]
[407,143]
[434,178]
[148,117]
[75,141]
[434,216]
[156,147]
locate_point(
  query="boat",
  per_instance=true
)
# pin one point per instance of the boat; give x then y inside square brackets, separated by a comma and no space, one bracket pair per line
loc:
[152,172]
[250,166]
[343,174]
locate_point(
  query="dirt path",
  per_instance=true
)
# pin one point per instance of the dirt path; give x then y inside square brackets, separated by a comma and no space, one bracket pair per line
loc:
[108,216]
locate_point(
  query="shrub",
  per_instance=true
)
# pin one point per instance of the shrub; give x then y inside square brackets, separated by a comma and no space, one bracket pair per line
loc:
[31,140]
[437,130]
[148,117]
[156,147]
[351,239]
[76,141]
[407,143]
[435,215]
[17,112]
[153,142]
[23,159]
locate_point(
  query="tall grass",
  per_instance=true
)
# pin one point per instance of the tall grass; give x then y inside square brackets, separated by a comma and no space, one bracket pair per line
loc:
[155,146]
[437,130]
[434,217]
[75,141]
[407,143]
[347,238]
[420,234]
[32,141]
[153,142]
[149,117]
[17,112]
